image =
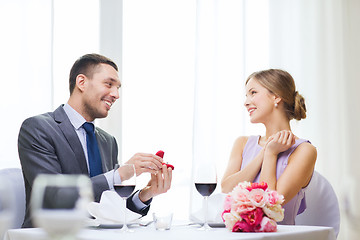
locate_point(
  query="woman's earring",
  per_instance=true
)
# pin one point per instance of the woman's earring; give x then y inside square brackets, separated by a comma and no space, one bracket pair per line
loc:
[276,105]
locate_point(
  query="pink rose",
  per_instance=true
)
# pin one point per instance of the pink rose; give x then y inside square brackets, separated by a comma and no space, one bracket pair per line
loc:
[241,196]
[275,212]
[275,198]
[242,208]
[267,225]
[222,215]
[253,218]
[227,203]
[230,218]
[258,197]
[244,184]
[262,185]
[242,226]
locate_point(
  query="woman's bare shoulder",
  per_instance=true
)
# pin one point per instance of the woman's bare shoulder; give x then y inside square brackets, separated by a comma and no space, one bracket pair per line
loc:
[241,141]
[238,146]
[306,146]
[306,149]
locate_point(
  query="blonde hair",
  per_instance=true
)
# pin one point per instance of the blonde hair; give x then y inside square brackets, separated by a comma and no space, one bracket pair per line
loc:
[282,84]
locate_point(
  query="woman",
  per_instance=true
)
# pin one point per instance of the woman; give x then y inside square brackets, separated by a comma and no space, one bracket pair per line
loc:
[282,160]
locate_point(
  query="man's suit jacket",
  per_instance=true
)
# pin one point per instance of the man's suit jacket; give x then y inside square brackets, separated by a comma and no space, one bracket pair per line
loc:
[48,143]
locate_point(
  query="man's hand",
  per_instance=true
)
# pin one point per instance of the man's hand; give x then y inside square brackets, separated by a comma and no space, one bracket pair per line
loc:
[158,184]
[146,162]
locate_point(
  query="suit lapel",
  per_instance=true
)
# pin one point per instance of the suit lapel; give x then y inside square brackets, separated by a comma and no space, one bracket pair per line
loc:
[69,132]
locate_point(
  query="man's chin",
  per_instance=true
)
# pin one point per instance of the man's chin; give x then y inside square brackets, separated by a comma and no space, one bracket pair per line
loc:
[102,115]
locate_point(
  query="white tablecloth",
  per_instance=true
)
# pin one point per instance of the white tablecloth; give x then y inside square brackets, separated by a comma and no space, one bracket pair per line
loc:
[183,232]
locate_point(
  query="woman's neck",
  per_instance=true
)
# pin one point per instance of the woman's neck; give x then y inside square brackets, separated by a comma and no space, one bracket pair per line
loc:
[275,127]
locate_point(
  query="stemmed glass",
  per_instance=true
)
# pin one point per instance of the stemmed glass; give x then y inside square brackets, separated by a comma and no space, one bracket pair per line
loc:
[205,180]
[7,206]
[125,187]
[59,204]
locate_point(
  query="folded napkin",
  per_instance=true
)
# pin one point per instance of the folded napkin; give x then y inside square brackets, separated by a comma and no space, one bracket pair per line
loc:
[215,209]
[110,209]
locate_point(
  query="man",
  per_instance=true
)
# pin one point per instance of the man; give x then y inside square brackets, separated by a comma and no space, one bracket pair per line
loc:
[58,142]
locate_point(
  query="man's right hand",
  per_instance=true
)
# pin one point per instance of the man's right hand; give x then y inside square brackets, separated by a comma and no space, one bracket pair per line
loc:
[146,162]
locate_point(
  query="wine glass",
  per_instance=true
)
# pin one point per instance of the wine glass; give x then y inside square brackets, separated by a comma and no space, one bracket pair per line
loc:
[205,180]
[59,204]
[7,206]
[125,186]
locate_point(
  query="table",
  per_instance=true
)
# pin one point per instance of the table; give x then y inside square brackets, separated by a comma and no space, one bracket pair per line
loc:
[184,232]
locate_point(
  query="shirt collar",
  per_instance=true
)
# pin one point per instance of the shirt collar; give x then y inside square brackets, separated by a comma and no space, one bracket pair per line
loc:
[75,118]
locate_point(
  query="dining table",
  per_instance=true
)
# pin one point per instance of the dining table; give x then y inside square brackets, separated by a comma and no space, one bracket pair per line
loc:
[181,231]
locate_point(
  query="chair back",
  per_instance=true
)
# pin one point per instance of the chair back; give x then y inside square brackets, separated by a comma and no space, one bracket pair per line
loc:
[322,206]
[15,177]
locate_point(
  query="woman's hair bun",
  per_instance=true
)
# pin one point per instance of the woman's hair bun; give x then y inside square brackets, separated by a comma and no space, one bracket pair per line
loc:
[299,107]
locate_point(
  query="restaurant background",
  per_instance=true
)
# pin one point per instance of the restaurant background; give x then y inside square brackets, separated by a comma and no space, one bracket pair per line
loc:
[183,64]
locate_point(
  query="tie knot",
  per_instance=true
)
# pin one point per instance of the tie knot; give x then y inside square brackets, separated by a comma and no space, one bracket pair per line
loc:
[89,127]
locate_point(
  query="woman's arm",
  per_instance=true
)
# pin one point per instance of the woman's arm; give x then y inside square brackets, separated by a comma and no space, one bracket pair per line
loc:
[233,175]
[299,170]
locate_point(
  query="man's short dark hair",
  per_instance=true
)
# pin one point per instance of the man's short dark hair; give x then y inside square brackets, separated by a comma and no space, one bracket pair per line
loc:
[86,65]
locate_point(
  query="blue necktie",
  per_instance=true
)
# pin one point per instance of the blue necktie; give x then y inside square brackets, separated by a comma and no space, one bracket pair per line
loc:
[93,150]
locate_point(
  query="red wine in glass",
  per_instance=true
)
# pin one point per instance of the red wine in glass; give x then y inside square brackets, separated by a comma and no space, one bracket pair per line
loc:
[205,180]
[205,189]
[124,190]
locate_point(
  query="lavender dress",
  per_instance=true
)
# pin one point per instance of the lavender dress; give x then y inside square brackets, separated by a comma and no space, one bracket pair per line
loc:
[297,205]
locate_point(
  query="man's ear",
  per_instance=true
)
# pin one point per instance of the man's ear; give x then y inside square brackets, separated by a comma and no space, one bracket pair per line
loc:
[80,82]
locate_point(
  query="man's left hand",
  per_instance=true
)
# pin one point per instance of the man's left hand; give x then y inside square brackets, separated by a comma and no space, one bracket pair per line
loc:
[158,184]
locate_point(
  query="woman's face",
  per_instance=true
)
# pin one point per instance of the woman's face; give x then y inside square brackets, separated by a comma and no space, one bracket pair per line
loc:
[259,102]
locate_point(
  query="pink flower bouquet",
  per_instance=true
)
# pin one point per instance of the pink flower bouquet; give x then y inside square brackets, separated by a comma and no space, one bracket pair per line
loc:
[252,207]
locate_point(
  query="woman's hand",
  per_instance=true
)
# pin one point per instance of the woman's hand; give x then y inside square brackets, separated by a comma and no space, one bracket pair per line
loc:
[280,142]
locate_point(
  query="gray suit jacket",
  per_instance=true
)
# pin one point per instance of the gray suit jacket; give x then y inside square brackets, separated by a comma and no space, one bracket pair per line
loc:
[48,143]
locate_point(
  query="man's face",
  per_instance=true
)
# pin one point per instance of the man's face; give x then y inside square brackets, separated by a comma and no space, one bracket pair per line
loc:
[100,92]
